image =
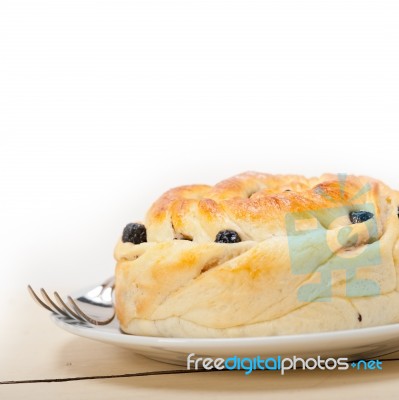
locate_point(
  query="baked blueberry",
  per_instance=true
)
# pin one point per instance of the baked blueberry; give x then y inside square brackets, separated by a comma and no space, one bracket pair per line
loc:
[134,233]
[227,236]
[358,217]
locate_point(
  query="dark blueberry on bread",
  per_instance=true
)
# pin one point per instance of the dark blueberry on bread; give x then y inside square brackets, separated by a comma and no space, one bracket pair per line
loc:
[134,233]
[227,236]
[358,217]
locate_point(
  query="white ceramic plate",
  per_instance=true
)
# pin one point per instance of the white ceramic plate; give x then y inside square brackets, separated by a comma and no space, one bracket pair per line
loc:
[354,344]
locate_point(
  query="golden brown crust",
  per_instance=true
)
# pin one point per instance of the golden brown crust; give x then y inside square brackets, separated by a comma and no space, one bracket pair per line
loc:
[254,204]
[197,287]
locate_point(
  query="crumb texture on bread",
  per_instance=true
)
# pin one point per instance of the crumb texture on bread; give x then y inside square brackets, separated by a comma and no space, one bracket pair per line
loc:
[301,266]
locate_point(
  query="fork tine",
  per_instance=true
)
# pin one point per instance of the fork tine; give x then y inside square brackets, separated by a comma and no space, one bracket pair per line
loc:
[51,303]
[38,300]
[87,317]
[65,308]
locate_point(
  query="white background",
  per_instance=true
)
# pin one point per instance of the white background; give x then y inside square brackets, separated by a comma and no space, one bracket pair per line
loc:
[104,105]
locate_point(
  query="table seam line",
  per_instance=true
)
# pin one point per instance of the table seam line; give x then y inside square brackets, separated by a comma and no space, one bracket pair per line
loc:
[94,377]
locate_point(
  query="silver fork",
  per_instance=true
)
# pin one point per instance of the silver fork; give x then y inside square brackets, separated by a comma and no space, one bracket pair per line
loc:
[98,298]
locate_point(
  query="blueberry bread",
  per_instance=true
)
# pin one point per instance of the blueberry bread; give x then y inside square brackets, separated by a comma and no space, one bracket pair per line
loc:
[261,254]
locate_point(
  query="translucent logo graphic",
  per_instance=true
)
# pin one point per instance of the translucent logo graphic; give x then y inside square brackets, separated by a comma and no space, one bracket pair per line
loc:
[323,241]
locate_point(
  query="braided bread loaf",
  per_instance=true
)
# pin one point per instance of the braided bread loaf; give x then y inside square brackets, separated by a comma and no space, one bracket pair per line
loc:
[261,254]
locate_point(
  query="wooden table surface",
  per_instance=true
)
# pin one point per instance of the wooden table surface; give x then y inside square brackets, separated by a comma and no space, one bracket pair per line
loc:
[39,360]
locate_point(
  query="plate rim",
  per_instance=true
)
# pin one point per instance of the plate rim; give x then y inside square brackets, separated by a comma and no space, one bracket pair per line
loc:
[120,337]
